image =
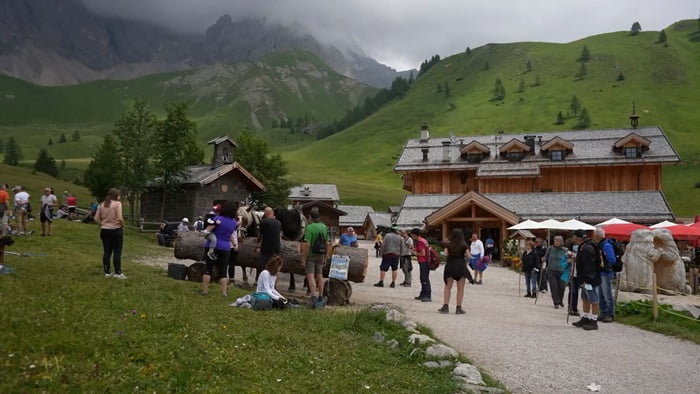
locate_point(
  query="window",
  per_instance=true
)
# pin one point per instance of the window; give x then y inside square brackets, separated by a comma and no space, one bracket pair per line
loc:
[475,157]
[515,155]
[632,152]
[556,155]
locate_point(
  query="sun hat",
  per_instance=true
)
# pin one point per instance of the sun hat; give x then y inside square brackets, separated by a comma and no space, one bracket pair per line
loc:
[185,220]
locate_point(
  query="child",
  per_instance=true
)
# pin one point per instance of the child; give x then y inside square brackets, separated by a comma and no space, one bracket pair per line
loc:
[210,220]
[530,262]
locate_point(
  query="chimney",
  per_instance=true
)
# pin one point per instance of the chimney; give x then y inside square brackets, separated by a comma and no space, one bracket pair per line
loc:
[446,151]
[425,153]
[530,141]
[424,133]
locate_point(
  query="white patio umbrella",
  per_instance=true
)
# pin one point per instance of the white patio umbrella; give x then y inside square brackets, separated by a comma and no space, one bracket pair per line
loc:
[574,224]
[551,224]
[663,224]
[526,225]
[612,221]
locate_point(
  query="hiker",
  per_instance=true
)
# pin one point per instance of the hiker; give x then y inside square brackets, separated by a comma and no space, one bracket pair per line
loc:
[184,226]
[391,253]
[166,233]
[588,273]
[268,279]
[109,217]
[556,263]
[540,249]
[530,262]
[21,210]
[378,244]
[477,260]
[199,224]
[223,226]
[349,238]
[72,203]
[421,248]
[4,209]
[48,201]
[316,259]
[605,293]
[405,263]
[269,238]
[456,270]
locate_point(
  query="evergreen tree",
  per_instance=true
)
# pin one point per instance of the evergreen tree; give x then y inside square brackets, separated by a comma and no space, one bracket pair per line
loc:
[584,121]
[537,80]
[411,79]
[13,153]
[528,65]
[468,51]
[427,64]
[560,118]
[253,154]
[486,65]
[175,148]
[582,71]
[521,86]
[75,137]
[105,164]
[620,77]
[636,28]
[575,105]
[50,141]
[662,36]
[585,55]
[499,92]
[438,88]
[62,139]
[46,164]
[447,90]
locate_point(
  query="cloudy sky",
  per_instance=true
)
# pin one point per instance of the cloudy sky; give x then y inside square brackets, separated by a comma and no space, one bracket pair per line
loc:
[402,33]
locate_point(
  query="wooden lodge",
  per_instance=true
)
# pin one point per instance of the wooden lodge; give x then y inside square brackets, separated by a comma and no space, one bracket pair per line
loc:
[325,197]
[203,186]
[486,183]
[354,218]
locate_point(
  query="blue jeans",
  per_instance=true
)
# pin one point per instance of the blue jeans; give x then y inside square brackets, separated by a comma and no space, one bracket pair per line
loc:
[531,282]
[425,290]
[605,295]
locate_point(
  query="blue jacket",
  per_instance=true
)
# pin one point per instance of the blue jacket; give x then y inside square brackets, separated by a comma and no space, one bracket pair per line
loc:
[608,257]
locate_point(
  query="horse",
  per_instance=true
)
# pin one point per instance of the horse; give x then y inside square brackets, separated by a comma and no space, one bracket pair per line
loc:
[293,225]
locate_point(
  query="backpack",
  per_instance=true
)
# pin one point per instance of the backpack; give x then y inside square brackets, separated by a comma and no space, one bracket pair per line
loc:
[433,259]
[319,246]
[619,251]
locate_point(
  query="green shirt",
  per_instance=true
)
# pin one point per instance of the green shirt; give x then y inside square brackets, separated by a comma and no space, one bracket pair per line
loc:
[313,231]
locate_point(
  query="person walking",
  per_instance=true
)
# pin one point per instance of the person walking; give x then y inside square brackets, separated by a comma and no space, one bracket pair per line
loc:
[541,249]
[109,217]
[421,248]
[556,262]
[530,262]
[605,293]
[316,259]
[48,202]
[588,272]
[477,261]
[223,226]
[405,263]
[455,270]
[4,209]
[378,244]
[391,253]
[21,210]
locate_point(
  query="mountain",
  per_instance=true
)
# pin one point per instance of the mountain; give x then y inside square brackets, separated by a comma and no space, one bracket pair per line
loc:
[661,79]
[59,42]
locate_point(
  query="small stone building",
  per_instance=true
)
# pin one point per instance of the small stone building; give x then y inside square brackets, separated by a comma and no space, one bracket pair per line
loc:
[376,223]
[355,218]
[203,186]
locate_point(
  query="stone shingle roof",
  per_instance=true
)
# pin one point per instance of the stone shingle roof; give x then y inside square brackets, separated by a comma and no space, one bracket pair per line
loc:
[591,207]
[355,216]
[316,192]
[380,219]
[205,174]
[591,147]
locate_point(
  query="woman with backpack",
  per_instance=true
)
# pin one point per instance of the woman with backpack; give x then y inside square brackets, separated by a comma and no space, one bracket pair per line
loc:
[456,270]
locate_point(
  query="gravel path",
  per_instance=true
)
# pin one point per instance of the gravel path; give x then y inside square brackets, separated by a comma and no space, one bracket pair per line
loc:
[531,348]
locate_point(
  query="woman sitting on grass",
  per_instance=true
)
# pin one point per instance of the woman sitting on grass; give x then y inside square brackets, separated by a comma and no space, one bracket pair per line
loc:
[268,279]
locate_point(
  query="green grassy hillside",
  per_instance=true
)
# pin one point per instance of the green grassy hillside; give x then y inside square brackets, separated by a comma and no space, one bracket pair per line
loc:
[35,183]
[225,99]
[662,80]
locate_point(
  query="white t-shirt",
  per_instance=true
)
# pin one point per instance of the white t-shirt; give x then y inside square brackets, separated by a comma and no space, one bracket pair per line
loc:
[266,284]
[51,200]
[477,247]
[21,199]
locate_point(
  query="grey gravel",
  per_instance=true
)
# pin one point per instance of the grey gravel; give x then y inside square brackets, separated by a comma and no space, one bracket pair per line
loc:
[531,349]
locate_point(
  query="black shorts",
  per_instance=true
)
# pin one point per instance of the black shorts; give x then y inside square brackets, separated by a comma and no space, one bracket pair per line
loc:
[221,264]
[389,261]
[44,219]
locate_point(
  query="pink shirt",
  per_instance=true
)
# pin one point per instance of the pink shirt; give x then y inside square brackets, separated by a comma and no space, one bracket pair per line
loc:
[110,218]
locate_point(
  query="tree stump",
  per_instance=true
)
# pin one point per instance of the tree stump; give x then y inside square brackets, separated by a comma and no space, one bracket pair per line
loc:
[337,291]
[359,260]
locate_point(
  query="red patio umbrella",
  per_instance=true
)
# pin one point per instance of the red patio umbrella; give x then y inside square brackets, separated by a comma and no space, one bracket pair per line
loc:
[683,232]
[622,231]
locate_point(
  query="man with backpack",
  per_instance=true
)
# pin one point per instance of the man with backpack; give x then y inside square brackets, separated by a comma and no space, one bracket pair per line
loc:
[391,253]
[588,273]
[607,274]
[316,234]
[422,253]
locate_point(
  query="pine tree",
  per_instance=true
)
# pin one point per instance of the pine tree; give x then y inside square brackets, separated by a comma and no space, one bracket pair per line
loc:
[575,105]
[636,28]
[584,121]
[620,77]
[486,65]
[438,88]
[528,65]
[560,118]
[537,80]
[582,71]
[50,141]
[585,55]
[101,173]
[13,153]
[46,164]
[468,51]
[521,86]
[75,137]
[411,79]
[62,139]
[447,90]
[662,36]
[499,92]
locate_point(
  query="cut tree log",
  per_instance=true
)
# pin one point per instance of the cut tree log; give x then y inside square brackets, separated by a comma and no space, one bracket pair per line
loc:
[190,246]
[338,291]
[359,260]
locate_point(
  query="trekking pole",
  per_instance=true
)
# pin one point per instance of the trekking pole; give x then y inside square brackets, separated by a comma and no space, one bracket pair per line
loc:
[572,271]
[520,273]
[537,289]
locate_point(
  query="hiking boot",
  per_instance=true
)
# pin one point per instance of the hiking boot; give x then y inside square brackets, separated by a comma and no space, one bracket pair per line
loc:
[211,255]
[607,319]
[581,323]
[445,309]
[392,285]
[379,284]
[590,325]
[574,312]
[528,295]
[418,298]
[406,284]
[478,282]
[459,310]
[426,299]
